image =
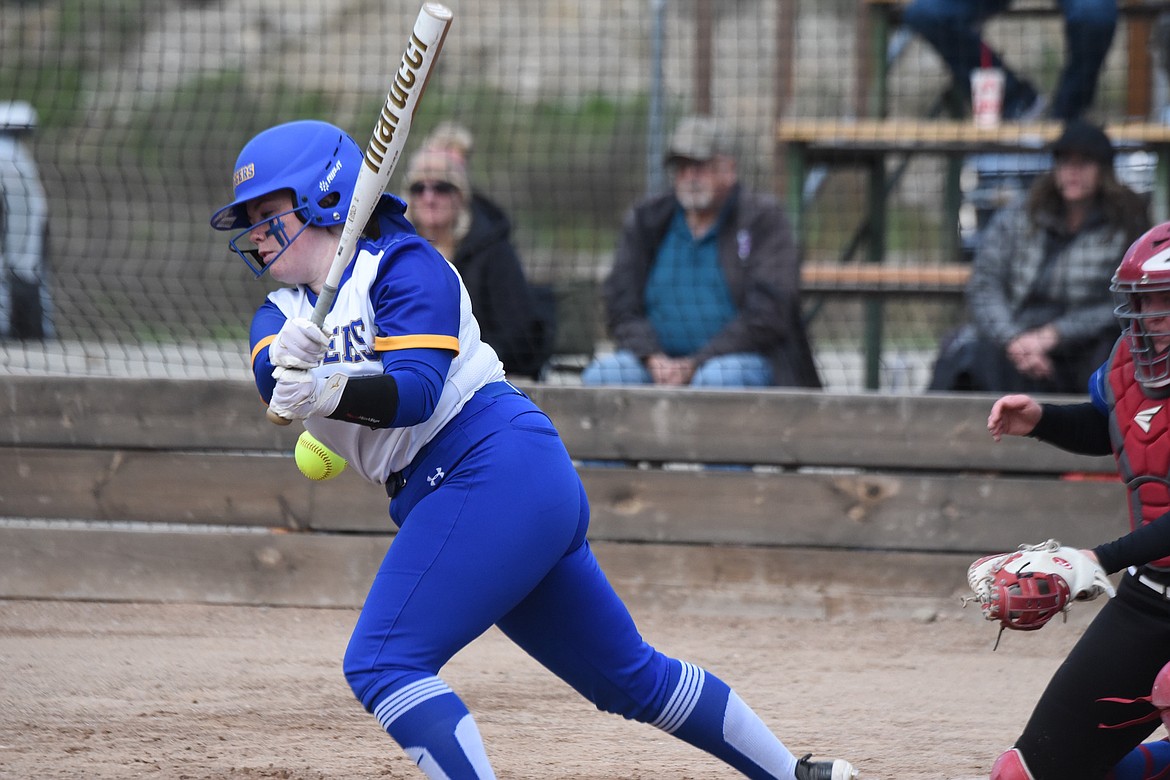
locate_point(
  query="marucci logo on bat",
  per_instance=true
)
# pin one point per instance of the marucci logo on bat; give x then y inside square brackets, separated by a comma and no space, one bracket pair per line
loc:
[404,80]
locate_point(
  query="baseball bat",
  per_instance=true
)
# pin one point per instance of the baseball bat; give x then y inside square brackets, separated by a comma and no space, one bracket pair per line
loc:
[385,147]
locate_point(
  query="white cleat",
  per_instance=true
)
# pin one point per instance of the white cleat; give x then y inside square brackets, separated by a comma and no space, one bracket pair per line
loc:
[837,769]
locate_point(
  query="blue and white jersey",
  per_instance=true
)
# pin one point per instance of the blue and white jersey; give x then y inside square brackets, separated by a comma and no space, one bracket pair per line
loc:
[398,304]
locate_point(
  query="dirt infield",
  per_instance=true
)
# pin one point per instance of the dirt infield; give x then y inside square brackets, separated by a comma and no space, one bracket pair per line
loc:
[127,690]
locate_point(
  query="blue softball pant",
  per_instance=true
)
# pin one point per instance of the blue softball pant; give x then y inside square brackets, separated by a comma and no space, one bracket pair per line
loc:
[492,521]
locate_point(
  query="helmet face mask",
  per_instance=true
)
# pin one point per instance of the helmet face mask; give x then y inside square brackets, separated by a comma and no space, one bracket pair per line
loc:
[316,162]
[242,244]
[1141,286]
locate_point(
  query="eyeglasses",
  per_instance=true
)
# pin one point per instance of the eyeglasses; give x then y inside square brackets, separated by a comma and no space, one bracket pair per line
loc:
[437,187]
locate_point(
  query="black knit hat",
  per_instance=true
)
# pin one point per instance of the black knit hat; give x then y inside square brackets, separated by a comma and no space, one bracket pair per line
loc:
[1081,137]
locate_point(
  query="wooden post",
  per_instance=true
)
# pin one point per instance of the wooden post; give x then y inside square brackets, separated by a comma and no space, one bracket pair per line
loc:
[875,308]
[1140,65]
[785,75]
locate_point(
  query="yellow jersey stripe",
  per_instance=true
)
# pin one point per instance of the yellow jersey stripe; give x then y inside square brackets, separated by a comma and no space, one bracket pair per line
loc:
[420,341]
[261,344]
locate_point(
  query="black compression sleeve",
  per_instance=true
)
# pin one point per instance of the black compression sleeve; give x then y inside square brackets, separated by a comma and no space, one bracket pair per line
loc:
[1079,428]
[1147,543]
[368,400]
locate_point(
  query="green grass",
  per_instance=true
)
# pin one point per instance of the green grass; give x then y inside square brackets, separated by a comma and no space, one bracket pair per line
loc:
[52,76]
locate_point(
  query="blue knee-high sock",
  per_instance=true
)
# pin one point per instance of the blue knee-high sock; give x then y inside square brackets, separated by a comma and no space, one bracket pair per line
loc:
[1149,761]
[705,712]
[435,729]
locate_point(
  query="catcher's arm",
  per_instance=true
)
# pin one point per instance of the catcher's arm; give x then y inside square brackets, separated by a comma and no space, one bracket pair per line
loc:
[1013,415]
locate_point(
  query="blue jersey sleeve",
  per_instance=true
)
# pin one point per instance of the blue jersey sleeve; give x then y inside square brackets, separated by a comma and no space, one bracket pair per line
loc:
[420,375]
[266,323]
[415,298]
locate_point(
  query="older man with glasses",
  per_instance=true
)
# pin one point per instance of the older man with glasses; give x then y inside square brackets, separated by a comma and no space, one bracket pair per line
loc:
[705,286]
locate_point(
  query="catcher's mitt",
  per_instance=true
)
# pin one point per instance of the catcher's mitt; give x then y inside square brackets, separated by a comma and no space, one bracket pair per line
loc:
[1025,589]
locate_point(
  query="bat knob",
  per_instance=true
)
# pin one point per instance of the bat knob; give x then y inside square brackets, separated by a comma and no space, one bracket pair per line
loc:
[276,419]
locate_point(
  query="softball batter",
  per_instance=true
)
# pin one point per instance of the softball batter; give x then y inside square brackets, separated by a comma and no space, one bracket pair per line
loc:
[491,515]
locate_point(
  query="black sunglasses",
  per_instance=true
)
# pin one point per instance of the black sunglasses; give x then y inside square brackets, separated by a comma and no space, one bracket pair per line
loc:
[437,187]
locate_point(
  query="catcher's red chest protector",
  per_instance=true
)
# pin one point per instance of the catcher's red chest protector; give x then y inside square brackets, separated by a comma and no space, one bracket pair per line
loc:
[1140,431]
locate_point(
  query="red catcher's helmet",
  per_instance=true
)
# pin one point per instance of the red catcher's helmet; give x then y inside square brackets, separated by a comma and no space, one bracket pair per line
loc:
[1026,600]
[1146,269]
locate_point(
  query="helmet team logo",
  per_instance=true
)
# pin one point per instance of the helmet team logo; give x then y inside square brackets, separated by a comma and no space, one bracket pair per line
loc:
[243,174]
[1145,418]
[1158,262]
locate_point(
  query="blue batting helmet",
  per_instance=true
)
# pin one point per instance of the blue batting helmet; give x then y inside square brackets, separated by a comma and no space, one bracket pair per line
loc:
[318,162]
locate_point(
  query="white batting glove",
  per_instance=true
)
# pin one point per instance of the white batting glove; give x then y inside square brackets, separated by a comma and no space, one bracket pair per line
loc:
[299,344]
[300,394]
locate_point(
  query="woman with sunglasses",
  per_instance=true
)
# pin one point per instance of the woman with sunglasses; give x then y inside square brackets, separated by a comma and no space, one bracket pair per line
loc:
[475,236]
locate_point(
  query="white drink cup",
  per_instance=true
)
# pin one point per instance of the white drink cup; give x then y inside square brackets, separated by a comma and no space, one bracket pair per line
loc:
[987,96]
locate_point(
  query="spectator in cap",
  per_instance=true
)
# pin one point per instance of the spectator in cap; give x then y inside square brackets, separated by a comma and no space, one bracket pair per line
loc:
[474,235]
[1040,310]
[705,285]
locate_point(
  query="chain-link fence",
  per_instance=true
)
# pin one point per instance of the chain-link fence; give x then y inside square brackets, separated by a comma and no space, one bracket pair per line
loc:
[141,107]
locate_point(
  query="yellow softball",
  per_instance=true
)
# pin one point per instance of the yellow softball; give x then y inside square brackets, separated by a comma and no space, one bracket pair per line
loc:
[315,460]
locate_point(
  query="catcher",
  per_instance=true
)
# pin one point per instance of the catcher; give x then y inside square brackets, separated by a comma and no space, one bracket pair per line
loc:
[1096,711]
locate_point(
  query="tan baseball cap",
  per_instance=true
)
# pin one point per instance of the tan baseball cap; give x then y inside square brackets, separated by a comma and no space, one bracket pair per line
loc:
[697,138]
